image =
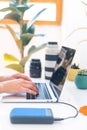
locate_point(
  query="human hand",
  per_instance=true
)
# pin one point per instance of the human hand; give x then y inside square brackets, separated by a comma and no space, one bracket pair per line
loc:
[18,85]
[17,76]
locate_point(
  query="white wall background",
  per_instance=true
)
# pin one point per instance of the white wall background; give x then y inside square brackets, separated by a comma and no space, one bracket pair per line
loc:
[74,16]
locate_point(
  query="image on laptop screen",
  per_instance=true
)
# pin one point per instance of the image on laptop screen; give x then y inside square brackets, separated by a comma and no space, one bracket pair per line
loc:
[62,67]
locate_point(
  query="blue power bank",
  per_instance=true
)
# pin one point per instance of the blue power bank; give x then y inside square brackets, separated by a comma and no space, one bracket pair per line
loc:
[31,116]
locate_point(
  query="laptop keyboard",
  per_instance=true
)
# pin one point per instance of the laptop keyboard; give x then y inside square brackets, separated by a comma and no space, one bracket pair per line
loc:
[43,92]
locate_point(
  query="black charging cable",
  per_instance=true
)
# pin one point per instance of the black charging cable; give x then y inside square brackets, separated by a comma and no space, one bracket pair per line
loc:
[74,116]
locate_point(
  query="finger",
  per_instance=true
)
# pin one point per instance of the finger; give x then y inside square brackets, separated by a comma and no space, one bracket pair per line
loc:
[19,75]
[34,88]
[30,85]
[29,91]
[25,77]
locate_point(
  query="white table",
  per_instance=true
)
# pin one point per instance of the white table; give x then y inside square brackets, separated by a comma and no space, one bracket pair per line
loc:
[70,94]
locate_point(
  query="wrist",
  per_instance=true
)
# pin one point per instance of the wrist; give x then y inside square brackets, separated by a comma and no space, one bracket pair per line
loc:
[1,88]
[4,78]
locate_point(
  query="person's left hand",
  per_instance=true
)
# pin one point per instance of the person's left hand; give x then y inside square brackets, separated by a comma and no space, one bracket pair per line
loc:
[17,76]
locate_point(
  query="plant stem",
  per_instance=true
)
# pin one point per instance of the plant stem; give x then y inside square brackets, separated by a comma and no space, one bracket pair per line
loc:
[21,24]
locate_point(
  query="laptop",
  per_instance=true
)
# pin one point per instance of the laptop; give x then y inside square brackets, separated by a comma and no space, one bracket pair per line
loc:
[48,92]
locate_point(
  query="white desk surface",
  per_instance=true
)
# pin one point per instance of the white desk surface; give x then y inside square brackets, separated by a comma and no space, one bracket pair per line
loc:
[70,94]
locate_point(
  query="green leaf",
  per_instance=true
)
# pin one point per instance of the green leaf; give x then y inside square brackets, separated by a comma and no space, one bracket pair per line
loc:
[17,41]
[13,16]
[25,41]
[16,67]
[16,2]
[34,18]
[30,35]
[7,9]
[30,30]
[13,9]
[19,9]
[23,7]
[27,37]
[34,49]
[10,58]
[24,60]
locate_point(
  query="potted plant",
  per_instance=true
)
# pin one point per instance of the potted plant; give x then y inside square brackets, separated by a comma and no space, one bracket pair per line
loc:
[73,71]
[26,33]
[81,79]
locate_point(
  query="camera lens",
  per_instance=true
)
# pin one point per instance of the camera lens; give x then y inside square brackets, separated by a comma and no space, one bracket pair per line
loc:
[35,68]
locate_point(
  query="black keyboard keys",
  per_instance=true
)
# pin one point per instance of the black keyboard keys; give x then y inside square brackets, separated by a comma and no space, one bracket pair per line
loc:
[43,92]
[30,96]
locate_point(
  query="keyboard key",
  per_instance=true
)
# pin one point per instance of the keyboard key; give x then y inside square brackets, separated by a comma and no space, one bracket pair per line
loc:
[30,96]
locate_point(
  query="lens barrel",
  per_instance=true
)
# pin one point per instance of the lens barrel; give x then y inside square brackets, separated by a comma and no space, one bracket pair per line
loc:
[35,68]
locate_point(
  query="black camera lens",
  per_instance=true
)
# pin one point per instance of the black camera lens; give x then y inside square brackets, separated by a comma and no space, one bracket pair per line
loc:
[35,68]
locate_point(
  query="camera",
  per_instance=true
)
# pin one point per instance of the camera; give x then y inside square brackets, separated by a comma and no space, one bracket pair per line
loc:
[35,68]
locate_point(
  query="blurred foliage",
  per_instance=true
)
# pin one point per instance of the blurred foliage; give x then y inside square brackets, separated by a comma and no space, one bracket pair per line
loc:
[17,9]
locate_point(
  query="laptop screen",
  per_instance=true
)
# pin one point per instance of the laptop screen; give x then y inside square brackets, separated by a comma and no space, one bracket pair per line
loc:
[62,67]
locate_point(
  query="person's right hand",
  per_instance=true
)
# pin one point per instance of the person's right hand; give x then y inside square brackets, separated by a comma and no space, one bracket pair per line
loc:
[18,85]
